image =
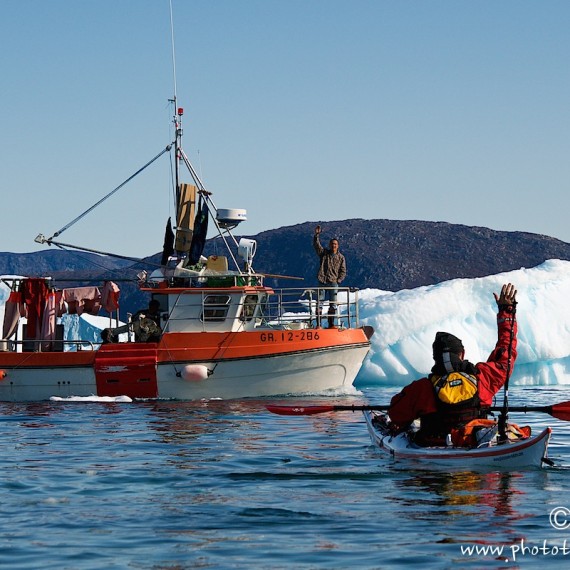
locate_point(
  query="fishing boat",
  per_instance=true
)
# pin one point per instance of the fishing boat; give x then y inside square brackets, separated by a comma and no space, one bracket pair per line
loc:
[492,453]
[219,332]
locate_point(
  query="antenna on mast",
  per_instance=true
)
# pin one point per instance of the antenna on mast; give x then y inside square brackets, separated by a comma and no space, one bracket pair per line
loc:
[177,113]
[173,51]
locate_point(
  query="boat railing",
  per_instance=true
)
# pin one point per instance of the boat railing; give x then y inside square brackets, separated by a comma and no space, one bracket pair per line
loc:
[310,308]
[47,345]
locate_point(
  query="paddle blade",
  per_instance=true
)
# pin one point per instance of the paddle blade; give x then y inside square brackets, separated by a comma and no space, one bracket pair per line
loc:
[561,411]
[300,410]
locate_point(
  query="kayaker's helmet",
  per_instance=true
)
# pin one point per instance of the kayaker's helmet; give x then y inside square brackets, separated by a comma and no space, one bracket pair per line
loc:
[444,345]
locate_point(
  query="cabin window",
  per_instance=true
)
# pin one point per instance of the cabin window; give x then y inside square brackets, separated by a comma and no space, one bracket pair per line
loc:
[215,308]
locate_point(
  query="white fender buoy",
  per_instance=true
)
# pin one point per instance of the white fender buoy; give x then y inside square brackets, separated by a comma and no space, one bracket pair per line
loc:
[194,372]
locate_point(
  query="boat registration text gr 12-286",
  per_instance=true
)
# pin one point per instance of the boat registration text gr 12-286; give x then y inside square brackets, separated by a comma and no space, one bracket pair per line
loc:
[289,336]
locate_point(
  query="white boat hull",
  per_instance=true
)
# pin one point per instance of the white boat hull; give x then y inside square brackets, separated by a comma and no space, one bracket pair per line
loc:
[309,372]
[298,372]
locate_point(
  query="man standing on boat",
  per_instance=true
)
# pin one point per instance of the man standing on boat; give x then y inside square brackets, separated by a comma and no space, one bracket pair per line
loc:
[332,271]
[423,399]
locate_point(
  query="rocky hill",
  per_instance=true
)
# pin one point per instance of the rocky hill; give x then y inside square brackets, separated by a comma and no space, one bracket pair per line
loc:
[382,254]
[394,255]
[41,263]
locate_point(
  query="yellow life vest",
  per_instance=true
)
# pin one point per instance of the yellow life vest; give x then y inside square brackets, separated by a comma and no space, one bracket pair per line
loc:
[455,387]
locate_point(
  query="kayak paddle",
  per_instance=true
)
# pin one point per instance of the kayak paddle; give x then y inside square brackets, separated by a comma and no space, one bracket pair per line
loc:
[560,411]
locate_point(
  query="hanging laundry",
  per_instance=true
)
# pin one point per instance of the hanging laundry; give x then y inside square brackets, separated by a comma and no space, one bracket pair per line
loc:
[168,247]
[82,300]
[200,232]
[34,295]
[110,296]
[13,310]
[60,307]
[49,322]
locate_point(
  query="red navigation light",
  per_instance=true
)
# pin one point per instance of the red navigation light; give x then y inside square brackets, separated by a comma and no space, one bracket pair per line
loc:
[180,111]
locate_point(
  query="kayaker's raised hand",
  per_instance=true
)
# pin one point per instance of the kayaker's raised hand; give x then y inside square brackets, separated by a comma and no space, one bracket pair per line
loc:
[507,298]
[317,230]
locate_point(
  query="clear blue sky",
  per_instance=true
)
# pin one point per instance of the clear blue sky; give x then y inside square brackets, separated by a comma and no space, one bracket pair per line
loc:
[296,110]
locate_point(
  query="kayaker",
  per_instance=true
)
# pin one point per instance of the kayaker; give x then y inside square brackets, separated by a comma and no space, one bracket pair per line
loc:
[420,400]
[332,271]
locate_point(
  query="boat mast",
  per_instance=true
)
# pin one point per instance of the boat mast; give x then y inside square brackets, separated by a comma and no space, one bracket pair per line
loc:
[180,156]
[178,112]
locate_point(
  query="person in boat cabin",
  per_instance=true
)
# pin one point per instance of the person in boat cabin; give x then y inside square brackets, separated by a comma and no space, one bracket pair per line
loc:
[332,271]
[152,313]
[107,336]
[420,399]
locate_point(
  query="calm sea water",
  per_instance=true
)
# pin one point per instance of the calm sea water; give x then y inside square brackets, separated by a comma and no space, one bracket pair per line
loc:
[175,485]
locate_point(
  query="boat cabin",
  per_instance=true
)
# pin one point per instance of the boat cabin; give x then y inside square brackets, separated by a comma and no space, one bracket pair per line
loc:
[219,309]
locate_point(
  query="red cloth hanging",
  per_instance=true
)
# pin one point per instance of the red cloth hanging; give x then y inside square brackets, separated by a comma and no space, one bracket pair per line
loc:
[34,295]
[110,296]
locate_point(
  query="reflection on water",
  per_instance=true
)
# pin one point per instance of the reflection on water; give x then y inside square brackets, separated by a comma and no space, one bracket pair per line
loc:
[491,493]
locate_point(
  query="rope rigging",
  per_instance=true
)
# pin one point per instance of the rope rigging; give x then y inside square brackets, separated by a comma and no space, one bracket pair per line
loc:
[90,209]
[64,246]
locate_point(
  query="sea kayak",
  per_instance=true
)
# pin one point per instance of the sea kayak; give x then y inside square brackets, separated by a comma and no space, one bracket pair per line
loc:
[521,453]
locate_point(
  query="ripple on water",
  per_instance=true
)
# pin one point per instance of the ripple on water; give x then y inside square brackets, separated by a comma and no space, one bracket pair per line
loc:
[227,485]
